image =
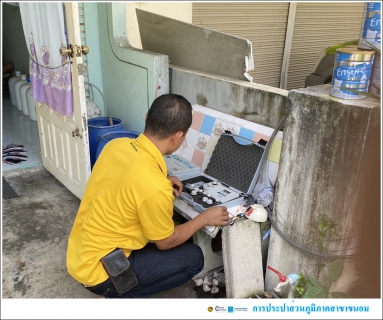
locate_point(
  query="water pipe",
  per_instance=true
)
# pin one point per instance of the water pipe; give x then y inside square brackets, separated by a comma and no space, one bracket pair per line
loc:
[290,280]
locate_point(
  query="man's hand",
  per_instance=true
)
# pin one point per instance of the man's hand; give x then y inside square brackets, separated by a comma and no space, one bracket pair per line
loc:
[216,216]
[177,185]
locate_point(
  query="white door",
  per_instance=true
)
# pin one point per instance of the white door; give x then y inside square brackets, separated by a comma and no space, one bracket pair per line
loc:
[64,140]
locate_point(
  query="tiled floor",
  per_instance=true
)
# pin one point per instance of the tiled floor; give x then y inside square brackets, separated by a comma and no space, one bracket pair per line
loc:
[19,129]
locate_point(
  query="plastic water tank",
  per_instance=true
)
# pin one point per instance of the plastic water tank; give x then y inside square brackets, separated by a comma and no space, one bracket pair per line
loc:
[23,89]
[11,83]
[31,105]
[16,87]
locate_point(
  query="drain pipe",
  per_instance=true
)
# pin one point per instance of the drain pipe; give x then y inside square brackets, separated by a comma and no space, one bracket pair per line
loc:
[288,42]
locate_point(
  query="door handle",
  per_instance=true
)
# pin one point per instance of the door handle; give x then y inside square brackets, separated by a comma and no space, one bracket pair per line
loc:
[74,49]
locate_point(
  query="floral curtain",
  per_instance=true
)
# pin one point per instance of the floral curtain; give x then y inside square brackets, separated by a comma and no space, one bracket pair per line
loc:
[50,73]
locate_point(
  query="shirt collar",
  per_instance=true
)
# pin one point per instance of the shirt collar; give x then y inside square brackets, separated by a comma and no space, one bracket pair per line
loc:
[149,146]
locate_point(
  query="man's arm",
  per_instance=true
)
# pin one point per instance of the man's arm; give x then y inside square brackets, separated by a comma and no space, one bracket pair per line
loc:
[216,216]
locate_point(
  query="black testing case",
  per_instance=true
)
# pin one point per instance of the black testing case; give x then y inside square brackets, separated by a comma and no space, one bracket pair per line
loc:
[235,163]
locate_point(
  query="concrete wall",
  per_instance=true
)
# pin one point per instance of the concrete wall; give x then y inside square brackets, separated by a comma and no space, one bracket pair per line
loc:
[131,77]
[177,10]
[328,164]
[14,46]
[250,101]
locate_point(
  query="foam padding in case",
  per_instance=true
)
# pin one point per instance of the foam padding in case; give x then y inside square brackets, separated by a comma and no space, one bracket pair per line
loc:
[235,164]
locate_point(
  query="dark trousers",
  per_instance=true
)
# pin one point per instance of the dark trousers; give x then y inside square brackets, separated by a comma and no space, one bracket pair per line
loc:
[157,270]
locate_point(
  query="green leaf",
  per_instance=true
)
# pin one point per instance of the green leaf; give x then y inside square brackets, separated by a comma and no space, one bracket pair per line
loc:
[335,269]
[313,281]
[316,292]
[322,226]
[340,295]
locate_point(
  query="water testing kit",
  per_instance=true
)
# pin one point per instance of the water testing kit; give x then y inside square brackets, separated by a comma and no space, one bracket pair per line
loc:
[180,167]
[231,173]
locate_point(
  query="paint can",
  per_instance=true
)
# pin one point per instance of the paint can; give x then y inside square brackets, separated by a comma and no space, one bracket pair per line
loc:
[352,70]
[371,27]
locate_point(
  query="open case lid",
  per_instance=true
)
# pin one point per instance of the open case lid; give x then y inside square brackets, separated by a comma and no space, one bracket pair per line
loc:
[236,162]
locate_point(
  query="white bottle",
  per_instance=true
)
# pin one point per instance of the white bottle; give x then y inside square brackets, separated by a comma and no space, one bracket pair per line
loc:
[31,105]
[16,87]
[11,83]
[23,89]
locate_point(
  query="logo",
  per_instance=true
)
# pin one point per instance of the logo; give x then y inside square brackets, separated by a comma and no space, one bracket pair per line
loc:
[220,309]
[210,309]
[232,309]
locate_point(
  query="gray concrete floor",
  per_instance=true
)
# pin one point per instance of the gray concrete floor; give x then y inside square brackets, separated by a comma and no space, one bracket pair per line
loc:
[36,225]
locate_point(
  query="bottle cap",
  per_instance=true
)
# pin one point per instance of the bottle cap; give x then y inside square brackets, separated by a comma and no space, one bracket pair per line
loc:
[23,77]
[18,73]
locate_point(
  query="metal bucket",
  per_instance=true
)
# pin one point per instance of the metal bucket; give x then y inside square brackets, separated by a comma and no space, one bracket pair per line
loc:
[352,70]
[371,27]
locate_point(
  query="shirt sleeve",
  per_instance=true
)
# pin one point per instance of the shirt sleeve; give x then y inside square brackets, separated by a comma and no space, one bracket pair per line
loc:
[156,215]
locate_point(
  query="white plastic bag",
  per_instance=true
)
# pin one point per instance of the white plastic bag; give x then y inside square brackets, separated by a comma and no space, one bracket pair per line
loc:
[263,192]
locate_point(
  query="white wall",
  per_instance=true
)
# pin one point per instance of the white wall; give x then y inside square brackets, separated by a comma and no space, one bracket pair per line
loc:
[175,10]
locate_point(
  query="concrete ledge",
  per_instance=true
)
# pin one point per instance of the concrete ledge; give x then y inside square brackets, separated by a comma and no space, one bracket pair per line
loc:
[242,257]
[254,102]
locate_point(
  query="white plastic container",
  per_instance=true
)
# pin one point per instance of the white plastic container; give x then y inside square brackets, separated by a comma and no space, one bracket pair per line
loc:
[31,105]
[11,83]
[23,89]
[16,89]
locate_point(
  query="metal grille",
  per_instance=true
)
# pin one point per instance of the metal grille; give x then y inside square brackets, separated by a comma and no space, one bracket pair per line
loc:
[318,26]
[262,23]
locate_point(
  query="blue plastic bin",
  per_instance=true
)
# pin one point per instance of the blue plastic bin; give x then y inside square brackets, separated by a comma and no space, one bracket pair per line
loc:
[96,128]
[106,137]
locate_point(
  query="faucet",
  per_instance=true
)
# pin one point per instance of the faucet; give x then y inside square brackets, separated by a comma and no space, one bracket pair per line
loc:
[290,280]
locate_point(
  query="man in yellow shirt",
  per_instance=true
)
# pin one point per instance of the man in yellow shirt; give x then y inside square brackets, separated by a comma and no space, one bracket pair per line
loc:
[128,204]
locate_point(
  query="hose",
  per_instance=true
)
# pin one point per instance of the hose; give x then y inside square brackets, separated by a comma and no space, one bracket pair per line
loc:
[102,95]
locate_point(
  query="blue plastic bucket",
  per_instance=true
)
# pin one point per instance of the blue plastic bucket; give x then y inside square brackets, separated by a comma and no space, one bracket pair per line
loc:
[106,137]
[96,128]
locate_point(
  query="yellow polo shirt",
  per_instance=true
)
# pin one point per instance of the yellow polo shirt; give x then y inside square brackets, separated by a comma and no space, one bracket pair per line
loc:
[127,202]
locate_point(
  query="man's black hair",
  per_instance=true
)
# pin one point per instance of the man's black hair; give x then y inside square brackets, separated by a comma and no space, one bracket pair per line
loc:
[167,115]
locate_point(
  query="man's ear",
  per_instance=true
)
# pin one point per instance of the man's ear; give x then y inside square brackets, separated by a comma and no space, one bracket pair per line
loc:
[178,135]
